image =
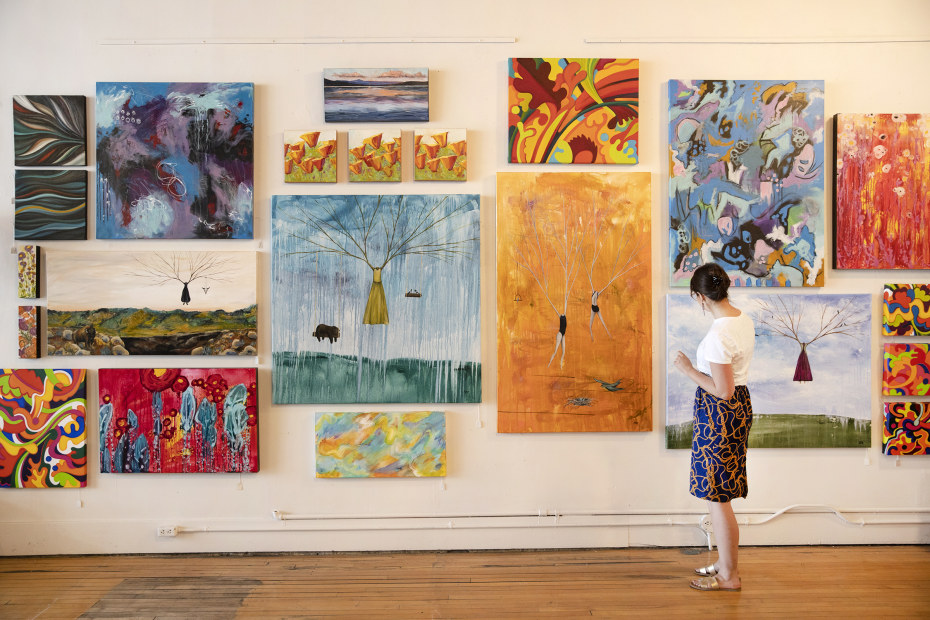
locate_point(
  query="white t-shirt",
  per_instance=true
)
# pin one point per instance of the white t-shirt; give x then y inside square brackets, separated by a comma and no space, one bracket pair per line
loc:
[730,340]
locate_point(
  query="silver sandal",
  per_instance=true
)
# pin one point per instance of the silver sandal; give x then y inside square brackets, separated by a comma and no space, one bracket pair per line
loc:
[706,571]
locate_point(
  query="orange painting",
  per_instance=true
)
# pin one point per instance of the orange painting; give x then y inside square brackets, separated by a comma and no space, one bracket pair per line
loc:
[574,311]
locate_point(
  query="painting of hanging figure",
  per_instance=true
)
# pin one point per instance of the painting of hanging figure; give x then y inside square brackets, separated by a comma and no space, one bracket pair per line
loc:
[376,299]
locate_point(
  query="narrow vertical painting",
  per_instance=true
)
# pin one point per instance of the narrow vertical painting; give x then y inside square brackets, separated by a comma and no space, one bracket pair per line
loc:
[27,264]
[178,420]
[50,204]
[573,110]
[374,156]
[376,95]
[906,429]
[381,445]
[309,156]
[746,186]
[28,332]
[906,310]
[440,155]
[43,444]
[573,285]
[881,202]
[810,375]
[174,160]
[50,130]
[376,299]
[906,369]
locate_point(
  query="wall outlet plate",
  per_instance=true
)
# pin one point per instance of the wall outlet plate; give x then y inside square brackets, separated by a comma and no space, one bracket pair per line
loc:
[167,530]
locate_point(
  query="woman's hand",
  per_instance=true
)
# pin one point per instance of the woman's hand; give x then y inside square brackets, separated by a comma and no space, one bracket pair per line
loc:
[682,362]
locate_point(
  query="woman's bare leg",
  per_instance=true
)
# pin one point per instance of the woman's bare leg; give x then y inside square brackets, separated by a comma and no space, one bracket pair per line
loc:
[726,531]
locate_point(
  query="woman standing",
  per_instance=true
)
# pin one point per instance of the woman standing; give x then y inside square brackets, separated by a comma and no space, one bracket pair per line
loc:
[722,418]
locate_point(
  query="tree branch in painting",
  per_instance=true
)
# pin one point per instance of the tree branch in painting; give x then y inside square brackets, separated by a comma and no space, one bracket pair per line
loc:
[185,267]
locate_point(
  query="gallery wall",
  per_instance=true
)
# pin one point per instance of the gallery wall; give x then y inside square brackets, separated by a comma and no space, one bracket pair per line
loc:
[501,490]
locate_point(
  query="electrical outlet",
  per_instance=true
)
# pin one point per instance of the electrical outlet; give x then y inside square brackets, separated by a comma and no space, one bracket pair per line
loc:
[167,530]
[706,524]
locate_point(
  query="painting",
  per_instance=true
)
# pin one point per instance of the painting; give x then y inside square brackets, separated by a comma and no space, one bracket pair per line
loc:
[381,445]
[907,429]
[309,156]
[374,156]
[810,376]
[27,263]
[43,444]
[573,110]
[906,310]
[151,303]
[49,130]
[178,420]
[28,332]
[50,204]
[746,186]
[573,285]
[376,95]
[881,202]
[906,369]
[439,155]
[377,299]
[174,160]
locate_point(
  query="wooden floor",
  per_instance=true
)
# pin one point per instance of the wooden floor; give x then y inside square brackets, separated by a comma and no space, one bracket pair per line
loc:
[778,582]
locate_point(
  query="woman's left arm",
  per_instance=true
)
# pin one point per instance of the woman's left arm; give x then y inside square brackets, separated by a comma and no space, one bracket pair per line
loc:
[719,383]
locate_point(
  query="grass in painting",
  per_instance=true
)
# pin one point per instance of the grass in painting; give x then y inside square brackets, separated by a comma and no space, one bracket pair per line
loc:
[790,431]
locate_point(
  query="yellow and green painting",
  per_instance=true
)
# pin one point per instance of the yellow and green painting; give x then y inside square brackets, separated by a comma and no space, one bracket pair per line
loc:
[439,155]
[374,156]
[310,157]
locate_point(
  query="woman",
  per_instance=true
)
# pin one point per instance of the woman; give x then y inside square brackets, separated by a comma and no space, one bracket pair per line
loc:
[722,418]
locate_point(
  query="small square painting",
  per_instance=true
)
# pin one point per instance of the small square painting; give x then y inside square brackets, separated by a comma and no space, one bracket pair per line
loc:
[309,156]
[374,156]
[439,155]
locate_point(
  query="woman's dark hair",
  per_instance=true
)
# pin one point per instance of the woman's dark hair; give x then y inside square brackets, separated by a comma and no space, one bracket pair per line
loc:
[711,281]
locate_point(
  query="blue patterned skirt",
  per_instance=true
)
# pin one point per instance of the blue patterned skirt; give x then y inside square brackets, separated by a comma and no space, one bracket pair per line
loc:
[718,447]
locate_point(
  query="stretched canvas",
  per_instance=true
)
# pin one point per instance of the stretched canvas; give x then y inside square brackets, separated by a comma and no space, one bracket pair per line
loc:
[376,95]
[881,202]
[440,155]
[310,156]
[374,156]
[43,443]
[178,420]
[174,160]
[906,429]
[28,332]
[381,445]
[376,299]
[906,310]
[573,110]
[810,375]
[574,343]
[906,369]
[50,130]
[746,186]
[50,204]
[27,263]
[151,303]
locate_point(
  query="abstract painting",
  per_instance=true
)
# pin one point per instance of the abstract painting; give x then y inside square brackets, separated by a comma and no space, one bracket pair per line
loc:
[573,111]
[174,420]
[746,186]
[810,375]
[906,310]
[27,262]
[28,332]
[376,95]
[50,204]
[174,160]
[374,156]
[573,285]
[309,156]
[151,303]
[439,155]
[906,370]
[377,299]
[906,429]
[381,445]
[881,203]
[43,444]
[50,130]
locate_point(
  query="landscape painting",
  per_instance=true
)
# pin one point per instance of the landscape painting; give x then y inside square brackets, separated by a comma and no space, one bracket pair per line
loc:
[374,155]
[380,444]
[746,186]
[27,263]
[310,156]
[151,303]
[178,420]
[50,130]
[29,339]
[906,429]
[574,293]
[440,155]
[50,204]
[906,310]
[376,95]
[376,299]
[175,160]
[906,369]
[810,375]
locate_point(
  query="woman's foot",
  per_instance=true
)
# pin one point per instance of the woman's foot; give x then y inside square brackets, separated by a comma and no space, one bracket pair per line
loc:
[706,571]
[708,584]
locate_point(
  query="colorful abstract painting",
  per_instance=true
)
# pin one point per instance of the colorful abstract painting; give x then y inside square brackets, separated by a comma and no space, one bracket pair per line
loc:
[309,156]
[50,130]
[43,443]
[374,156]
[906,310]
[376,299]
[440,155]
[573,111]
[28,332]
[573,285]
[906,429]
[50,204]
[810,377]
[881,203]
[178,420]
[376,95]
[151,303]
[746,186]
[27,263]
[381,445]
[174,160]
[906,370]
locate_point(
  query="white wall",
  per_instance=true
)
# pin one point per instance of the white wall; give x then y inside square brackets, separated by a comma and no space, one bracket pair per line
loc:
[61,47]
